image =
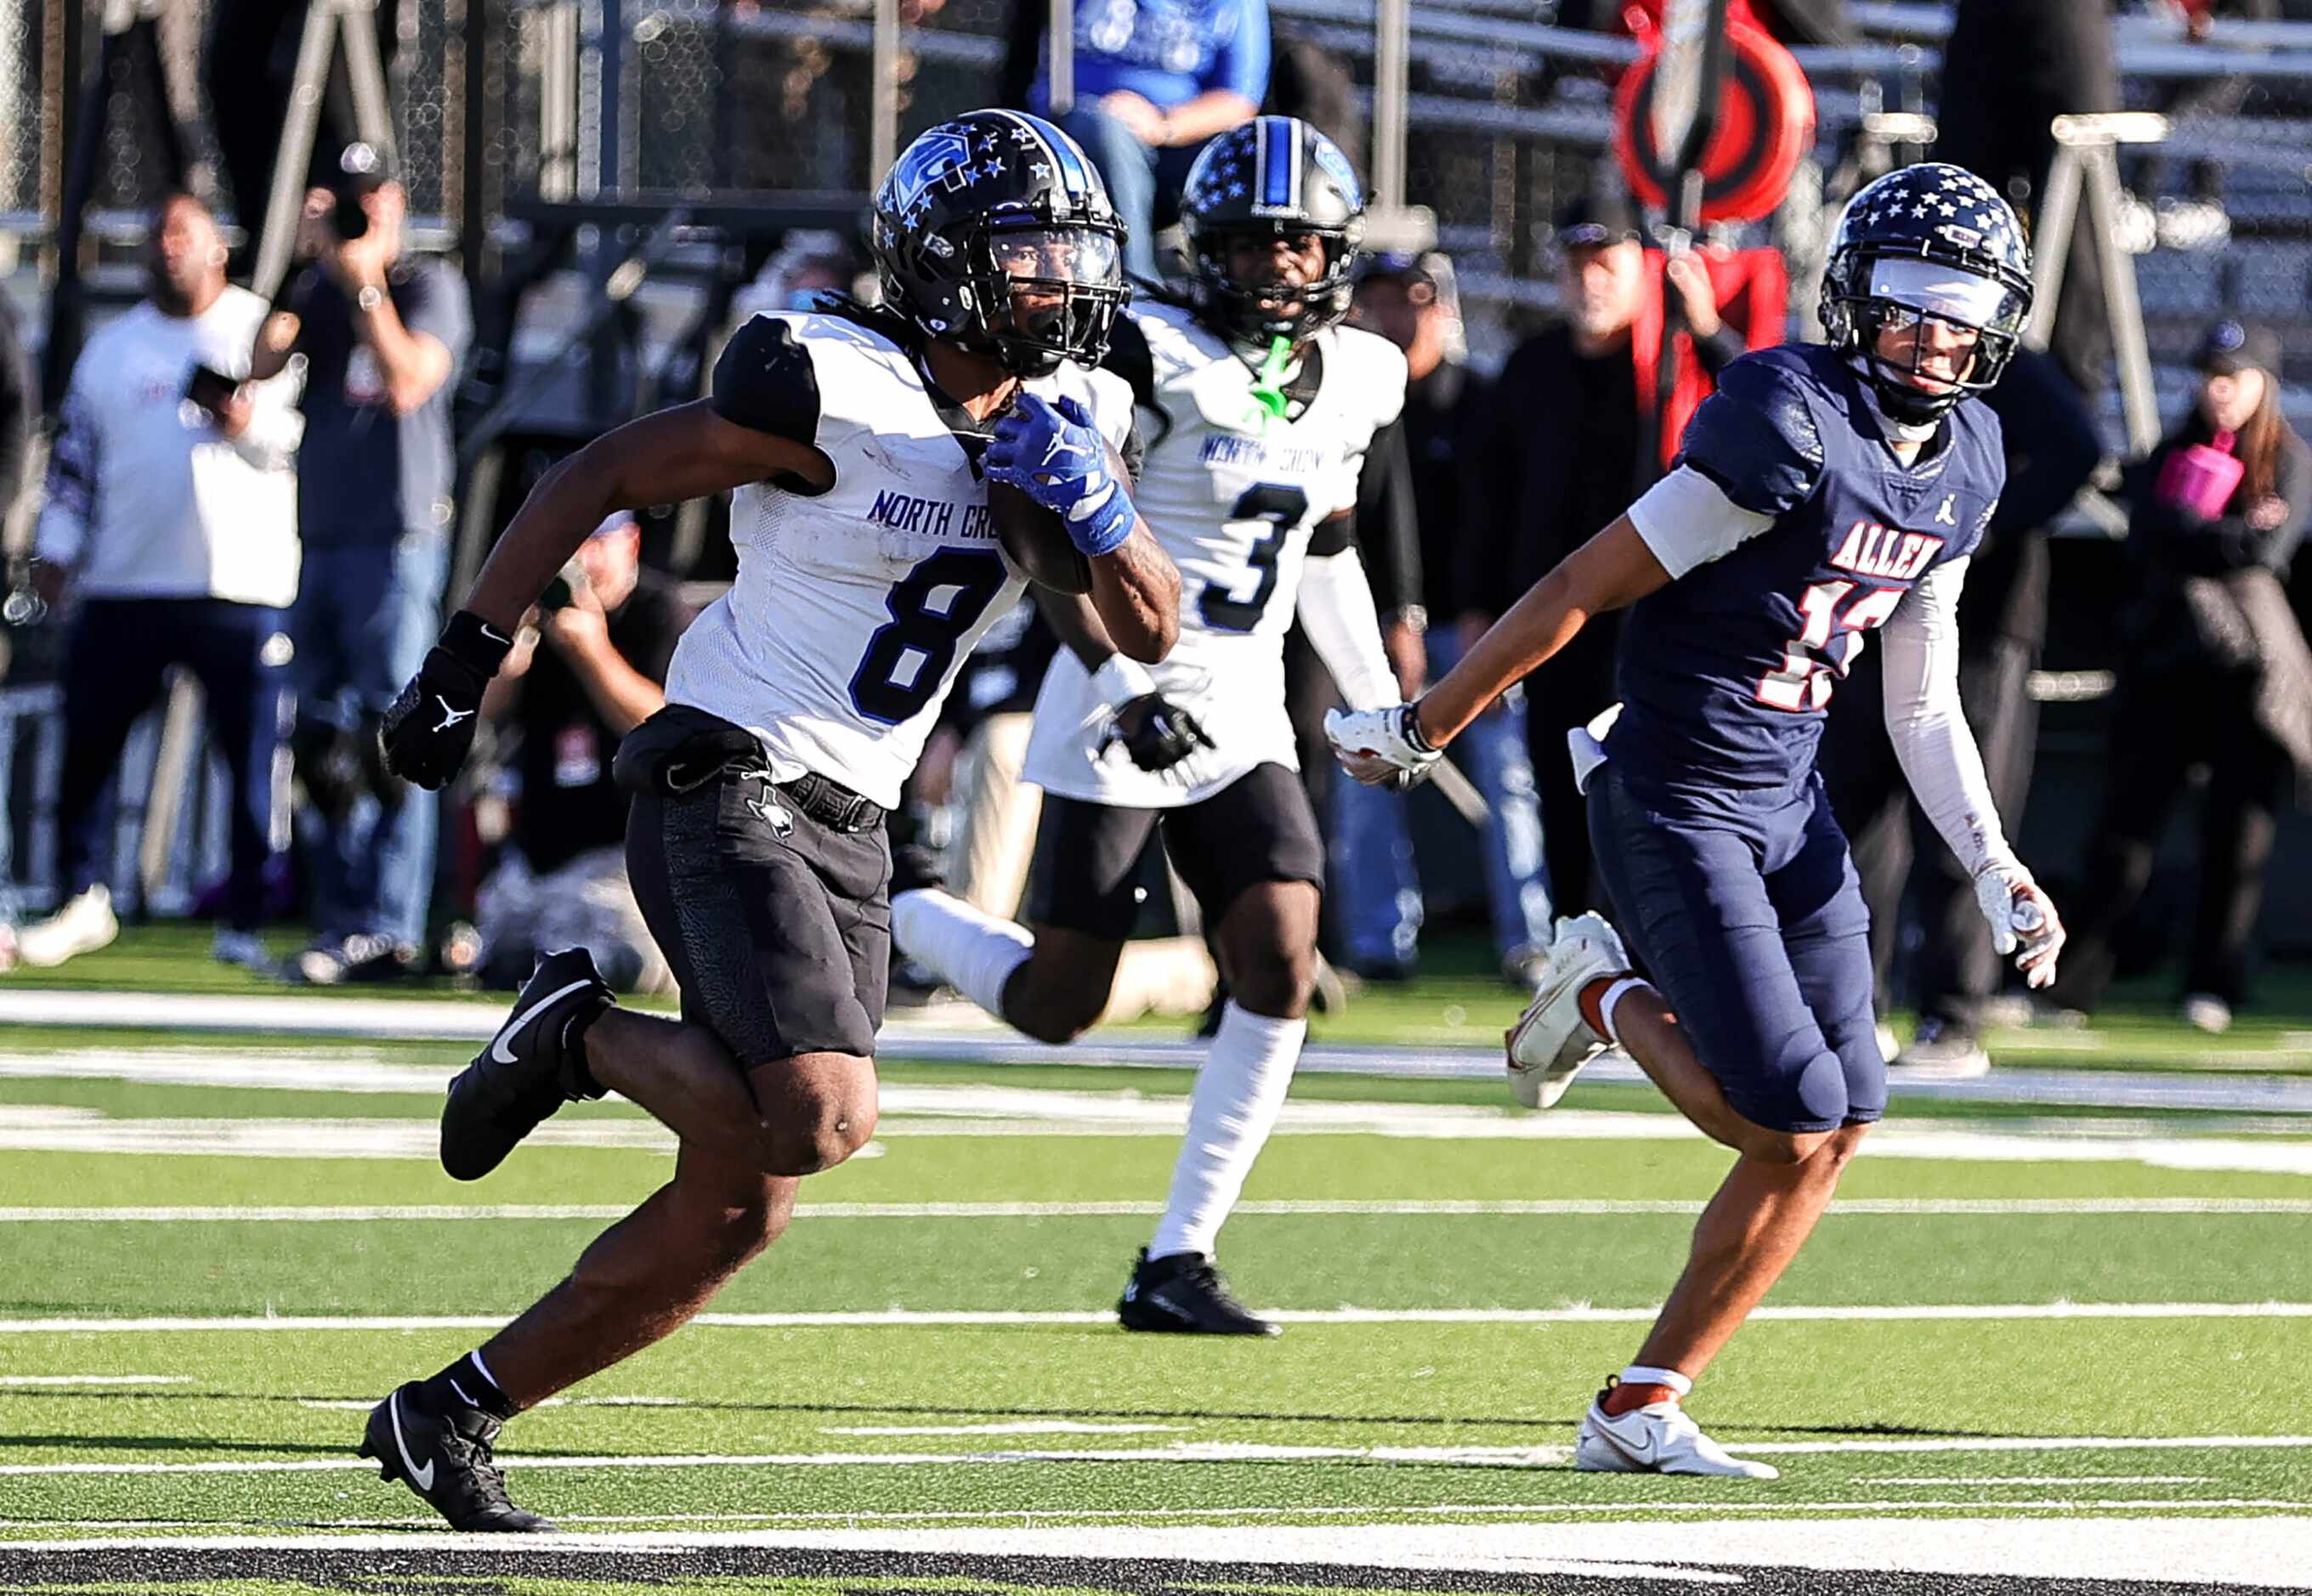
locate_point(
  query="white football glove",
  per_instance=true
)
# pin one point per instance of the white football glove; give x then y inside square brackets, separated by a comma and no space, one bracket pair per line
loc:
[2022,918]
[1380,748]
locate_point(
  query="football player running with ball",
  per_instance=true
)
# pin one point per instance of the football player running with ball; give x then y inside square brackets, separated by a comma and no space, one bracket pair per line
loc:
[852,442]
[1824,492]
[1257,407]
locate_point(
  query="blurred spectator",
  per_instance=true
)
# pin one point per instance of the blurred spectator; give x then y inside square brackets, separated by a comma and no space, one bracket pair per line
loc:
[1377,898]
[1568,453]
[20,408]
[590,670]
[171,517]
[2030,61]
[2051,448]
[250,60]
[1154,79]
[2214,672]
[383,336]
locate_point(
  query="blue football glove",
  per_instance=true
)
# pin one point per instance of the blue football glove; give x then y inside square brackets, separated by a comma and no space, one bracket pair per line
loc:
[1057,457]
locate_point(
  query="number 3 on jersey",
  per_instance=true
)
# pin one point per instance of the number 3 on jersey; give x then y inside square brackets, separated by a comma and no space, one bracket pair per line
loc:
[1283,508]
[1816,661]
[931,607]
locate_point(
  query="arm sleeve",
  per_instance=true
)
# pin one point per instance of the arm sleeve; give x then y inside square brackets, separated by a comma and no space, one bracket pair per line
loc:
[1687,520]
[1241,63]
[1388,518]
[69,515]
[1336,610]
[764,381]
[1931,736]
[1756,438]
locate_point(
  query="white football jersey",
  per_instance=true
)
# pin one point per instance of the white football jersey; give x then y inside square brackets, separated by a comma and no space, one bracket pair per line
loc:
[854,608]
[1232,494]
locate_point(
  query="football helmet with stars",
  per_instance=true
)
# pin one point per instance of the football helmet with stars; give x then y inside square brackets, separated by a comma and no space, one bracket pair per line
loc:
[1269,177]
[993,231]
[1927,242]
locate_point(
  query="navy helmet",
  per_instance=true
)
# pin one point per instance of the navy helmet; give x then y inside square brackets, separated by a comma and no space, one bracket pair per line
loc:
[1927,241]
[993,231]
[1270,176]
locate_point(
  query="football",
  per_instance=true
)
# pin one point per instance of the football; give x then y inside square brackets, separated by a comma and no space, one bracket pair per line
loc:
[1035,541]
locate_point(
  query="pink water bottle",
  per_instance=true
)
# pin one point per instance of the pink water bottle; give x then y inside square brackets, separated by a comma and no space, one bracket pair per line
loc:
[2201,477]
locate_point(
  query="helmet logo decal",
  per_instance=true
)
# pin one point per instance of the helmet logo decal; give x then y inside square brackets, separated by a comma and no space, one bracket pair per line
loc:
[941,156]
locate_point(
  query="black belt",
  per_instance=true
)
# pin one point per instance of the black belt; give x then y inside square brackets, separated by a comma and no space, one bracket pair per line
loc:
[832,804]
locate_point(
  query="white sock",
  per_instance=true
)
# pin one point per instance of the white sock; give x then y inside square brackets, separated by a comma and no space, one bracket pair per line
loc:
[1646,1375]
[1234,1106]
[974,953]
[1612,1000]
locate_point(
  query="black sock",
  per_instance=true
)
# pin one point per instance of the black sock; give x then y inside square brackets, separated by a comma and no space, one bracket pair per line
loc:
[577,1079]
[466,1383]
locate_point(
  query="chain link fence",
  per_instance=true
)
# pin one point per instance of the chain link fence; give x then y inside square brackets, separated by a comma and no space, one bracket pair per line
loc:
[1508,111]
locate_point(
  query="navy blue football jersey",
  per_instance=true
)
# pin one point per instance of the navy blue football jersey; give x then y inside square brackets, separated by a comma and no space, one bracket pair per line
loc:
[1726,672]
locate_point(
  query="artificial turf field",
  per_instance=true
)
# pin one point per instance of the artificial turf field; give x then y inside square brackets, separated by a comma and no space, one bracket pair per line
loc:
[2031,1345]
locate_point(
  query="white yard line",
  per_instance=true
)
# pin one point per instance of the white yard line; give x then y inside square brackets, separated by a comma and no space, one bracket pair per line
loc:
[909,1318]
[1601,1207]
[12,1381]
[2037,1479]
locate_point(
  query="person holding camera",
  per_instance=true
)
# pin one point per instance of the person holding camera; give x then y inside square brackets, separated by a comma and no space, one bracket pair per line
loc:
[382,336]
[590,667]
[172,521]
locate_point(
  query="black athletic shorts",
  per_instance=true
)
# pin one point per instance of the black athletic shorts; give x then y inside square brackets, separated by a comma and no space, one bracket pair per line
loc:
[777,924]
[1258,828]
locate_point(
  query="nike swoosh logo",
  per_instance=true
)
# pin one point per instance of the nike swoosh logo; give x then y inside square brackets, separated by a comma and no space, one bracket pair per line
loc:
[498,1049]
[423,1478]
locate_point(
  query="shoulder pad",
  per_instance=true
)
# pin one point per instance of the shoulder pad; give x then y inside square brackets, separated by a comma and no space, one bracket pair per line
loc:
[1756,437]
[765,379]
[1378,369]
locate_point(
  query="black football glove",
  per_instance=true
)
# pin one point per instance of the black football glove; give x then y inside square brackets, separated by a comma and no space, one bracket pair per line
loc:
[1156,732]
[427,732]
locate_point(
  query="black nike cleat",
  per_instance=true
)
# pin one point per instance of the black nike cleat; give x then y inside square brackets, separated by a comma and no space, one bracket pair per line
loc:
[445,1458]
[1184,1292]
[525,1073]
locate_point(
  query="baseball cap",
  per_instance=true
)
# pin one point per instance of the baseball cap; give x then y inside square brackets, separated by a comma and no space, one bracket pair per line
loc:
[2231,345]
[1601,217]
[362,169]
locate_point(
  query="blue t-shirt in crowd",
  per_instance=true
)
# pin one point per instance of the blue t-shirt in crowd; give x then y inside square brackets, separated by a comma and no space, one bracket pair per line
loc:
[365,475]
[1167,51]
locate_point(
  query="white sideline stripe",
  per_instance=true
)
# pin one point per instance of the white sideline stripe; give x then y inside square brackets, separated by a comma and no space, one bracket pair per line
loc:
[1045,1426]
[2173,1553]
[75,1380]
[1187,1451]
[875,1318]
[1863,1208]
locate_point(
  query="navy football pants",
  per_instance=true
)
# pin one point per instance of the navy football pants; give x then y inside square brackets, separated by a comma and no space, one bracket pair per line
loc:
[1745,909]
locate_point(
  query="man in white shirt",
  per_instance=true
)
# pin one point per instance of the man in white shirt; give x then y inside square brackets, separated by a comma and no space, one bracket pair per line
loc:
[171,517]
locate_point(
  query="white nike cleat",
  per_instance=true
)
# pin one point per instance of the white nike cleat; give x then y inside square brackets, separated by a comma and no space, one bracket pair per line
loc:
[82,925]
[1551,1041]
[1658,1438]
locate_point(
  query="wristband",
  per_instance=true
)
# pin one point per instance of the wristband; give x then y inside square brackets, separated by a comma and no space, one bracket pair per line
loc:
[474,643]
[1118,681]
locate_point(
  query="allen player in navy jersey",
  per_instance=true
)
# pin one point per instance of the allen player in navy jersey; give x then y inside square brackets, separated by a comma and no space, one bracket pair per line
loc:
[858,446]
[1825,491]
